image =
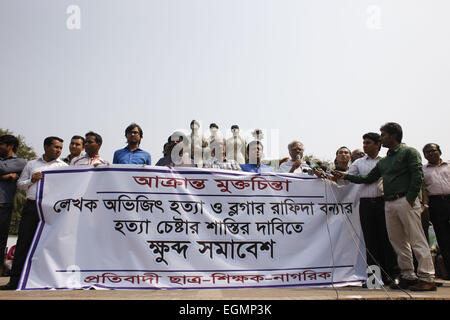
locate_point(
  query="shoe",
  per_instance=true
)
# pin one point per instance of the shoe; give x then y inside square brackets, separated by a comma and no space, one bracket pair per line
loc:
[402,284]
[9,286]
[423,286]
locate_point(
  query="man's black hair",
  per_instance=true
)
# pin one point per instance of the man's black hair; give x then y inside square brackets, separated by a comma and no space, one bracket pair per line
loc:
[431,144]
[393,128]
[10,140]
[132,126]
[80,138]
[98,138]
[375,137]
[49,140]
[343,147]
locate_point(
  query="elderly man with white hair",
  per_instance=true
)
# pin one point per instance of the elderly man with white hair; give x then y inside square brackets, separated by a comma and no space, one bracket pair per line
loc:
[295,163]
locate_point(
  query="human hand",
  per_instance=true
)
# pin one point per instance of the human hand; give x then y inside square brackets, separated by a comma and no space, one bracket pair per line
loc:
[36,177]
[338,174]
[12,176]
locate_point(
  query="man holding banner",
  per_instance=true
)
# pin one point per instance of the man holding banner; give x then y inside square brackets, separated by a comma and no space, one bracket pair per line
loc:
[31,174]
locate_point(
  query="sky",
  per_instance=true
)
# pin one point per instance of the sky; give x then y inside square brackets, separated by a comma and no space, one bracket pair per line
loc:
[320,71]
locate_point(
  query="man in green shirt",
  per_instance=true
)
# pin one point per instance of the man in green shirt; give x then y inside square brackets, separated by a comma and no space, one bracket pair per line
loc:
[402,175]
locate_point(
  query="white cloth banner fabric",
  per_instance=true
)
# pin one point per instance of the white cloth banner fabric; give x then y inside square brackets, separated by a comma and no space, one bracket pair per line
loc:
[132,227]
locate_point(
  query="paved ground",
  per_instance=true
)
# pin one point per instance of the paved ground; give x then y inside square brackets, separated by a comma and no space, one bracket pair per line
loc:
[343,293]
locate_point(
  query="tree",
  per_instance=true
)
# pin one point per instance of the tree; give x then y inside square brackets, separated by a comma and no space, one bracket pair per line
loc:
[26,152]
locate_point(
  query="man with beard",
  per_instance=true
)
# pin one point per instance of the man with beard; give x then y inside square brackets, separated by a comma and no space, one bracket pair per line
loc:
[132,154]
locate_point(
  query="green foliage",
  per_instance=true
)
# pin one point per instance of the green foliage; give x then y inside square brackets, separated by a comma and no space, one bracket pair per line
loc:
[26,152]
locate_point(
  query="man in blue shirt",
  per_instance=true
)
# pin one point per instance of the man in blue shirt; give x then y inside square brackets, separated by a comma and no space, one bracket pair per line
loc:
[255,155]
[132,154]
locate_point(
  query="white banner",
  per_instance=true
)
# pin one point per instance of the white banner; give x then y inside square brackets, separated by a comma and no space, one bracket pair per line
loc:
[129,227]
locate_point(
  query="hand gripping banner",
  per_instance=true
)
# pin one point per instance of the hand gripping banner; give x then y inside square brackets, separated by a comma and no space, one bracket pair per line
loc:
[130,227]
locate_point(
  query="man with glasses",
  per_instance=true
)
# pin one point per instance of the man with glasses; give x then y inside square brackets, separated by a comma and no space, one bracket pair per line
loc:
[132,154]
[437,186]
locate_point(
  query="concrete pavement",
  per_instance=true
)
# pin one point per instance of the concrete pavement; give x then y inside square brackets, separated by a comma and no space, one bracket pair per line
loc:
[300,293]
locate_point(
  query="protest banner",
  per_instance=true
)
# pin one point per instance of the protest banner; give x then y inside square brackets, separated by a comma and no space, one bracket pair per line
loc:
[130,227]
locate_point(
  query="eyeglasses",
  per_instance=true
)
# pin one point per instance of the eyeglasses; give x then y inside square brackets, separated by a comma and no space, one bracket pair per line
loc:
[430,151]
[134,132]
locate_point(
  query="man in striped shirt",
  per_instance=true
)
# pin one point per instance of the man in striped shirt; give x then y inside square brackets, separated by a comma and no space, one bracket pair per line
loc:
[92,146]
[379,250]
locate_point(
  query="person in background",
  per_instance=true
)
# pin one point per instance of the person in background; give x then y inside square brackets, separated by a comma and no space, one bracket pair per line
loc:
[92,146]
[31,174]
[343,157]
[437,187]
[176,152]
[10,169]
[256,154]
[76,147]
[356,154]
[132,154]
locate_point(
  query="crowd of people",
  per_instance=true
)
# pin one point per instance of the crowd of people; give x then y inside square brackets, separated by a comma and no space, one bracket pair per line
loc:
[397,189]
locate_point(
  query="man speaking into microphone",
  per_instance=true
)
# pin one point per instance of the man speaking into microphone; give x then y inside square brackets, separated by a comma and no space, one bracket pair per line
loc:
[295,164]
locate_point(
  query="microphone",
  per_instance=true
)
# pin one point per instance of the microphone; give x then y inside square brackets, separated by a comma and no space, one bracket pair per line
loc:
[315,168]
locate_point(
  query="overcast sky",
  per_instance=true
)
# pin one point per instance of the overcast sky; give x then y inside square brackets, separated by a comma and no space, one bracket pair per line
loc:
[320,71]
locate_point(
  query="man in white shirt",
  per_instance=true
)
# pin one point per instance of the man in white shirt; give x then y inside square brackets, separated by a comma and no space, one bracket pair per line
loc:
[31,174]
[379,250]
[295,164]
[92,147]
[437,186]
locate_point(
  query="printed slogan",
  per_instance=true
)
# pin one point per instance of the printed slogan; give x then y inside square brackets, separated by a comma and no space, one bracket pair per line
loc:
[129,227]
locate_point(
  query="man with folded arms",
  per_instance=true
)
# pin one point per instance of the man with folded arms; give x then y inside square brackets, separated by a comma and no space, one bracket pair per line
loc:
[437,186]
[402,175]
[10,169]
[28,180]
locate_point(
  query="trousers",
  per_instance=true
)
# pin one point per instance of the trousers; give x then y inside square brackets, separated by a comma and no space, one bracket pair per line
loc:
[27,228]
[440,218]
[406,235]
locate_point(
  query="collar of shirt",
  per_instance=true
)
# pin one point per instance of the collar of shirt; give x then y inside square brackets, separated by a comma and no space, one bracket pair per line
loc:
[366,157]
[429,165]
[395,150]
[58,160]
[12,157]
[128,149]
